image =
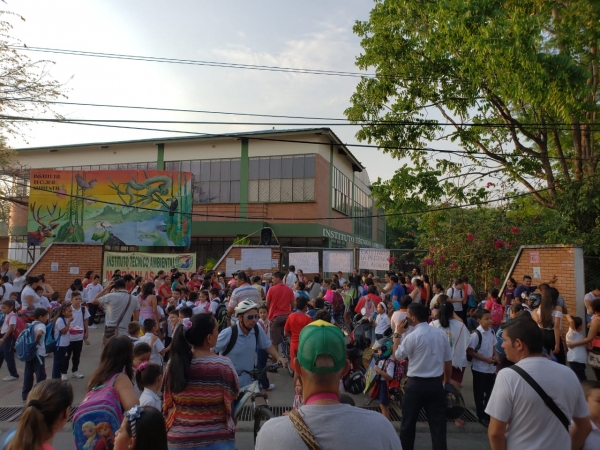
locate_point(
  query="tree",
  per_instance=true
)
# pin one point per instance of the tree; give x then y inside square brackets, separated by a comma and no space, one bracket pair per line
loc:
[522,73]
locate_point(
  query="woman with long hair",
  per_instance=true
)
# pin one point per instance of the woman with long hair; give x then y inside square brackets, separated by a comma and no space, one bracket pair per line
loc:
[164,290]
[89,277]
[148,303]
[116,364]
[458,338]
[199,388]
[549,317]
[429,293]
[48,291]
[137,290]
[416,293]
[46,412]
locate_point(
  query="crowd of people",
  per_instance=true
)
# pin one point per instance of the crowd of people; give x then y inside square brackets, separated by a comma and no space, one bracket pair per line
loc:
[177,352]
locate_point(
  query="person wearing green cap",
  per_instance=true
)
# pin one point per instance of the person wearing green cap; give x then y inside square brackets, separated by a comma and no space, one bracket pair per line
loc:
[320,363]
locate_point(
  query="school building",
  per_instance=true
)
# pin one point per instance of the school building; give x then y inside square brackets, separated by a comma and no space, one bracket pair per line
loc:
[304,185]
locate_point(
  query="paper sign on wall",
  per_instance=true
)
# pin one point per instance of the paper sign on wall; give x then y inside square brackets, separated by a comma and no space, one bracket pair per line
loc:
[373,259]
[334,261]
[308,262]
[534,257]
[232,266]
[537,273]
[257,258]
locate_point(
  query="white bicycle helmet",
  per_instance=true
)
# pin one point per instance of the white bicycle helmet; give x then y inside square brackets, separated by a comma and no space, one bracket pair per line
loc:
[245,305]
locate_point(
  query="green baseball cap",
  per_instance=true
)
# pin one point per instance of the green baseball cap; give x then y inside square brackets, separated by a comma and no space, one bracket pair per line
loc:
[321,338]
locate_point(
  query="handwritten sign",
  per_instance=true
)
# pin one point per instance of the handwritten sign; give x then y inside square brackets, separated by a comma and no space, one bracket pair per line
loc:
[257,258]
[534,257]
[374,259]
[308,262]
[334,261]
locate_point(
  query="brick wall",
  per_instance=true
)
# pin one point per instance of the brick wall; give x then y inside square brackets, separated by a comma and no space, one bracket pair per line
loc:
[236,253]
[85,256]
[564,261]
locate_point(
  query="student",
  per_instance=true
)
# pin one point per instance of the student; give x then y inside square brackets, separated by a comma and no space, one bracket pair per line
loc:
[133,331]
[47,411]
[319,303]
[483,364]
[185,313]
[299,290]
[91,291]
[494,306]
[7,340]
[202,305]
[591,390]
[141,354]
[215,300]
[143,427]
[36,365]
[149,378]
[150,337]
[78,333]
[385,369]
[577,355]
[256,284]
[44,302]
[382,321]
[294,325]
[62,324]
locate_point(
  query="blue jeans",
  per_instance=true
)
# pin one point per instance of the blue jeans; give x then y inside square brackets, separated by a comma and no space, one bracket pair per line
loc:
[227,445]
[7,353]
[59,357]
[261,362]
[33,367]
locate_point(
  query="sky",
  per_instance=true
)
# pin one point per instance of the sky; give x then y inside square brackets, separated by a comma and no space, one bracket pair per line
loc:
[309,34]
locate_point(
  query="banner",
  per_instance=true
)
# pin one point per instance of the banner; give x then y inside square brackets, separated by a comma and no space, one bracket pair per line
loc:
[113,207]
[334,261]
[374,259]
[147,265]
[307,262]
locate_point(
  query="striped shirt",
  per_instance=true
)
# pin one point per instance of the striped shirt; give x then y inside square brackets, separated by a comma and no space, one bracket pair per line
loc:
[201,414]
[244,292]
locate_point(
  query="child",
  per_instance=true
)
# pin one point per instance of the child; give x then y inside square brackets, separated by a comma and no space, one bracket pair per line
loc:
[591,390]
[7,339]
[78,333]
[319,304]
[44,302]
[36,365]
[261,355]
[203,305]
[213,296]
[185,302]
[185,313]
[483,364]
[299,289]
[62,324]
[472,323]
[297,398]
[385,369]
[141,354]
[149,378]
[382,321]
[149,337]
[133,330]
[495,307]
[143,427]
[294,324]
[46,413]
[576,356]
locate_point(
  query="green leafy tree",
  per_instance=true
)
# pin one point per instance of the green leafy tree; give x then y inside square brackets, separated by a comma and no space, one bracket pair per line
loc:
[523,72]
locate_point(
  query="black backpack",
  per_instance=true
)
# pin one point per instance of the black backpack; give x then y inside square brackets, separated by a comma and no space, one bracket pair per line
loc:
[234,336]
[477,347]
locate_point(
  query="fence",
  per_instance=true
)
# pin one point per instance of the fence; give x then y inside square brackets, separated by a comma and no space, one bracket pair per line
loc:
[591,269]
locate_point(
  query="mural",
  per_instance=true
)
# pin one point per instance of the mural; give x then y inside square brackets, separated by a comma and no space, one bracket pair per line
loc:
[113,207]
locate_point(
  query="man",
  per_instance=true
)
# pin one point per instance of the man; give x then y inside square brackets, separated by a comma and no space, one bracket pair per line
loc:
[92,290]
[115,305]
[243,352]
[28,295]
[321,362]
[397,289]
[589,312]
[249,272]
[6,288]
[355,280]
[456,296]
[291,278]
[341,278]
[243,291]
[519,419]
[416,274]
[5,271]
[527,287]
[280,301]
[430,357]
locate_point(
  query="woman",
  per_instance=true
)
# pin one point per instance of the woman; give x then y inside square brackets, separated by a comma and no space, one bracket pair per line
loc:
[315,288]
[458,338]
[143,428]
[178,281]
[164,290]
[300,276]
[388,284]
[509,292]
[438,290]
[148,304]
[194,284]
[137,290]
[593,336]
[46,412]
[407,284]
[89,277]
[199,389]
[549,317]
[48,291]
[428,293]
[415,294]
[116,361]
[76,286]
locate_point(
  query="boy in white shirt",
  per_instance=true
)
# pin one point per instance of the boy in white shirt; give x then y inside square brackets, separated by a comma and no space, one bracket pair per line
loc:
[37,365]
[213,296]
[150,337]
[483,364]
[576,356]
[78,332]
[91,291]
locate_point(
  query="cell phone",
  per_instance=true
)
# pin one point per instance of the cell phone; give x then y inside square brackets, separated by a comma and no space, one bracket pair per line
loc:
[408,322]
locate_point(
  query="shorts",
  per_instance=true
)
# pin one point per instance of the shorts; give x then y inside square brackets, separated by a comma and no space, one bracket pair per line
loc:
[457,374]
[384,395]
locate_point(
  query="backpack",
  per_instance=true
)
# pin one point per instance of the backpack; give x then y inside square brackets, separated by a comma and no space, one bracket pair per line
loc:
[471,302]
[25,346]
[19,327]
[337,303]
[399,372]
[497,312]
[369,306]
[221,316]
[26,315]
[477,347]
[100,406]
[351,297]
[234,336]
[51,343]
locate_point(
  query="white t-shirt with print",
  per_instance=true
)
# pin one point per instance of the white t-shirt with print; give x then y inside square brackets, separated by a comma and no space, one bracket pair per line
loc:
[78,318]
[531,424]
[11,319]
[579,353]
[41,346]
[65,339]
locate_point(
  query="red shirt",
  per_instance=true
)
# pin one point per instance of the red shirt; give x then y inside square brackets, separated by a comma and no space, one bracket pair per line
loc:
[361,302]
[294,324]
[280,299]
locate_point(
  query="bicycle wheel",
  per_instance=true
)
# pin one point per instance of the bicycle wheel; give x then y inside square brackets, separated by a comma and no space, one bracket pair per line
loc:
[288,357]
[345,331]
[261,415]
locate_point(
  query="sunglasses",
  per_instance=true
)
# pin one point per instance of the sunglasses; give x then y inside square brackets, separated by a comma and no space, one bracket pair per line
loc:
[251,316]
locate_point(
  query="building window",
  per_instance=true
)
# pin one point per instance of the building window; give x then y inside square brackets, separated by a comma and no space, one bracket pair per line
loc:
[336,243]
[341,192]
[273,179]
[363,206]
[20,185]
[215,180]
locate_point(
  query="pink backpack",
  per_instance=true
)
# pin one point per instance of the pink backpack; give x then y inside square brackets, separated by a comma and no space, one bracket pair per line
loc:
[100,406]
[497,312]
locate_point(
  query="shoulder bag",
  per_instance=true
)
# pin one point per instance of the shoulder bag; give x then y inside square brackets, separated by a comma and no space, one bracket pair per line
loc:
[114,330]
[303,431]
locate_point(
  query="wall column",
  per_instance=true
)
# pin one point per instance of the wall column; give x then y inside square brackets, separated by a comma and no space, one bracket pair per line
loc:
[244,169]
[160,157]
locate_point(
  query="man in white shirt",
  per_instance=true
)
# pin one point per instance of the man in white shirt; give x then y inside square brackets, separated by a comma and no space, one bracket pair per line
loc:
[79,321]
[430,357]
[91,291]
[28,295]
[456,296]
[5,271]
[519,418]
[291,278]
[6,288]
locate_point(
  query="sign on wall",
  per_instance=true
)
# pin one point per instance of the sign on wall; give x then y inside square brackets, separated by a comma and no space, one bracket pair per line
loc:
[147,265]
[112,207]
[257,258]
[374,259]
[334,261]
[308,262]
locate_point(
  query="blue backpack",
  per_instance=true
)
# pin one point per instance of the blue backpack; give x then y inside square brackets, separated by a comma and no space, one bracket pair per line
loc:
[51,343]
[25,346]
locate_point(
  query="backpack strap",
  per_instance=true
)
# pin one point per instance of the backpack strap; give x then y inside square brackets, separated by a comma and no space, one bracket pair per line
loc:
[545,397]
[303,431]
[232,340]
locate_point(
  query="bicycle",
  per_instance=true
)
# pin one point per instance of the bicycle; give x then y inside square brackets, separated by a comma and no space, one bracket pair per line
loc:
[286,342]
[338,321]
[261,413]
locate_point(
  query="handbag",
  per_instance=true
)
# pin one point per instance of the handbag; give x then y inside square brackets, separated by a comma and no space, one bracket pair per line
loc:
[114,330]
[593,360]
[303,431]
[374,392]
